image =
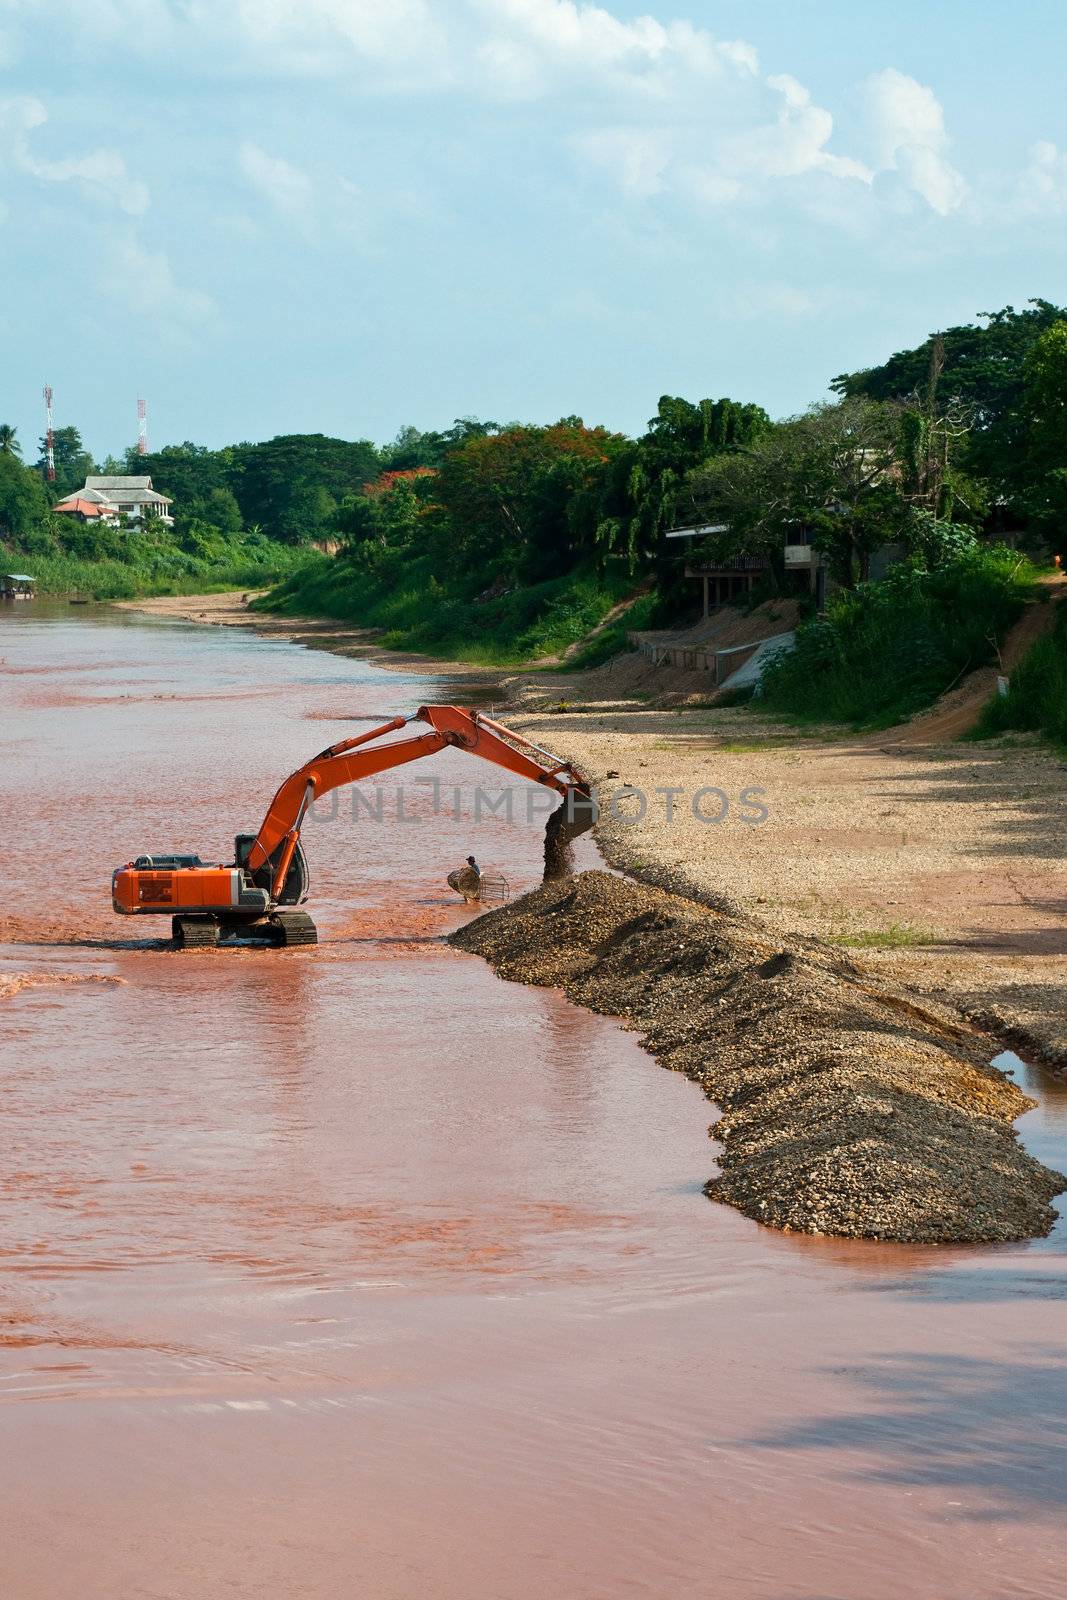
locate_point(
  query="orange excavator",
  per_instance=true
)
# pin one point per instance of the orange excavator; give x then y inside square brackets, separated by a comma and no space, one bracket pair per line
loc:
[254,896]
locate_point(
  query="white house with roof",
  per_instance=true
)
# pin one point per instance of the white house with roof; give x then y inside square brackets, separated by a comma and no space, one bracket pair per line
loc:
[116,500]
[89,505]
[134,498]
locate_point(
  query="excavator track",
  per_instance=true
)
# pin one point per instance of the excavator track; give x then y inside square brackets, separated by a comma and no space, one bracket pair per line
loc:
[293,928]
[195,933]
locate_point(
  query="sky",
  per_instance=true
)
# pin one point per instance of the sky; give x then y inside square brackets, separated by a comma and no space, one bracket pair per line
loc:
[345,216]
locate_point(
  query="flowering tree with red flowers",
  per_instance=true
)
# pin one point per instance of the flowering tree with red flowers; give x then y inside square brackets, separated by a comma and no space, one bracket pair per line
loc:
[508,497]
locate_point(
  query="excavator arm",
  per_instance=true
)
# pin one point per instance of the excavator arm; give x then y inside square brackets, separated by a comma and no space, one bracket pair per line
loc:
[255,892]
[352,760]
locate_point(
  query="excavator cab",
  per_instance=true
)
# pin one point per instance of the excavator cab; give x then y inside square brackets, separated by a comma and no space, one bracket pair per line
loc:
[294,890]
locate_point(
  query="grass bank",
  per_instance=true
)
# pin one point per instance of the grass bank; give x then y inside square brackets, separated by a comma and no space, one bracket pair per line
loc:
[1036,700]
[886,650]
[398,593]
[161,569]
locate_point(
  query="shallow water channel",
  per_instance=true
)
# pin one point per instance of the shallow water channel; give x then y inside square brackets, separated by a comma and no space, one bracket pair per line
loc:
[355,1271]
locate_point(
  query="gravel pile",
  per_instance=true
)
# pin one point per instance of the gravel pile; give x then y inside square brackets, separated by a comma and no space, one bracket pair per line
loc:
[846,1108]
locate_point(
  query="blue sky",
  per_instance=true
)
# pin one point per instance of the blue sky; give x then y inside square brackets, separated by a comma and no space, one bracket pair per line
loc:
[348,215]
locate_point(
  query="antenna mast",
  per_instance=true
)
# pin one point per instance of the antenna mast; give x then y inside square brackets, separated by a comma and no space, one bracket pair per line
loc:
[50,435]
[142,427]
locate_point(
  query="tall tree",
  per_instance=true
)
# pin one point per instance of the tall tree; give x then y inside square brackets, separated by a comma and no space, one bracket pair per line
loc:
[187,472]
[641,490]
[73,461]
[981,377]
[1044,414]
[9,444]
[412,448]
[388,512]
[23,502]
[506,497]
[833,472]
[292,485]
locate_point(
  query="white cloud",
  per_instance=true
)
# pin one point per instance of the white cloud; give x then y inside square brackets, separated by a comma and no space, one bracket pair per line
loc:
[788,302]
[637,158]
[372,27]
[532,42]
[314,204]
[143,279]
[228,38]
[324,36]
[1042,188]
[708,188]
[103,172]
[795,142]
[673,109]
[661,106]
[908,130]
[286,187]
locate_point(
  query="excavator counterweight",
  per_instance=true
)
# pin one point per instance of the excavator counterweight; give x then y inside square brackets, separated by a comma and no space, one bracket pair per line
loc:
[256,895]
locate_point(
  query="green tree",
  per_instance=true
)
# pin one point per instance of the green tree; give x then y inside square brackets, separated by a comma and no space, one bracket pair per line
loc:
[982,366]
[833,473]
[24,508]
[641,491]
[223,512]
[292,485]
[388,512]
[187,472]
[1044,414]
[412,448]
[9,444]
[504,498]
[73,461]
[932,437]
[982,376]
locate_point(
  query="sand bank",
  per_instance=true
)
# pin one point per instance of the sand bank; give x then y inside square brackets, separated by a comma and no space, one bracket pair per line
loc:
[848,1109]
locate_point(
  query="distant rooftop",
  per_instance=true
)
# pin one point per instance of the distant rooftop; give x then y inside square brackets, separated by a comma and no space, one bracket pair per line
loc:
[86,505]
[126,491]
[118,483]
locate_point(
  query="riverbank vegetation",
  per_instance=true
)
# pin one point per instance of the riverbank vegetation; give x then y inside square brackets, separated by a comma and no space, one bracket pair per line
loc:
[885,650]
[512,542]
[211,545]
[1036,698]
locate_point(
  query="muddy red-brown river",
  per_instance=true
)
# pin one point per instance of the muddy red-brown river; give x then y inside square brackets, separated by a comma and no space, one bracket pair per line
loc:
[357,1272]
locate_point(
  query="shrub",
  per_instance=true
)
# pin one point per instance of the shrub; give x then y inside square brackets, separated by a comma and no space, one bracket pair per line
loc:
[377,587]
[613,640]
[1037,690]
[113,564]
[885,650]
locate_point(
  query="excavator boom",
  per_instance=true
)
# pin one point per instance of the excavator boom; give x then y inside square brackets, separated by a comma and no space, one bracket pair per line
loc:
[269,873]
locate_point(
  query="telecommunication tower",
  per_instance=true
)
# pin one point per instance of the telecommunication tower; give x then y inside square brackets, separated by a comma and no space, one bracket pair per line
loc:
[50,435]
[142,427]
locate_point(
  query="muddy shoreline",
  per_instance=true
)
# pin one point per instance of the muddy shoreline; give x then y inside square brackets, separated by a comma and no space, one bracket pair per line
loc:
[847,1109]
[231,610]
